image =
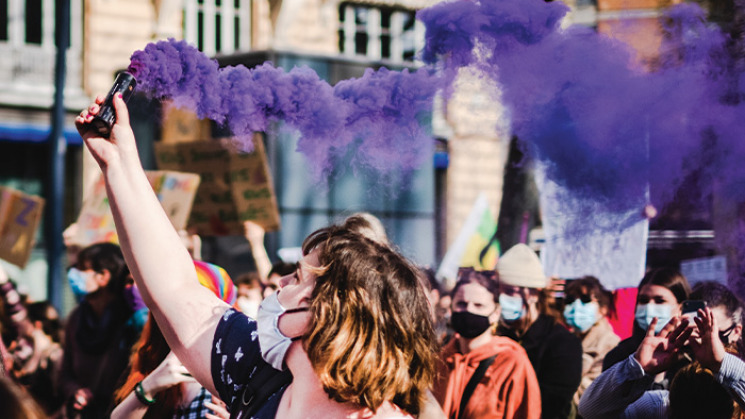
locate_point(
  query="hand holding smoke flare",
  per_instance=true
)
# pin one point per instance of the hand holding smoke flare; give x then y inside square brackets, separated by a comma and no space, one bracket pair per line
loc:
[104,120]
[379,114]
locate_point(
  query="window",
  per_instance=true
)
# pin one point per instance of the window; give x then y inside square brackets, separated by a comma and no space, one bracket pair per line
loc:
[27,43]
[218,26]
[385,33]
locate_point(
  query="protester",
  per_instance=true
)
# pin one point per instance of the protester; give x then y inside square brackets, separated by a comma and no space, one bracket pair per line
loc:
[250,293]
[157,385]
[482,375]
[727,309]
[97,342]
[36,354]
[44,316]
[554,352]
[695,393]
[586,307]
[352,324]
[440,315]
[369,226]
[661,293]
[279,270]
[623,390]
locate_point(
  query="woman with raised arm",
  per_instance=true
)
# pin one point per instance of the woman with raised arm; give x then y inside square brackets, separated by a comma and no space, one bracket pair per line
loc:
[351,324]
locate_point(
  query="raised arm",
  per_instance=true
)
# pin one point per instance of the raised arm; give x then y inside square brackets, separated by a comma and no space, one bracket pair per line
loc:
[186,312]
[617,388]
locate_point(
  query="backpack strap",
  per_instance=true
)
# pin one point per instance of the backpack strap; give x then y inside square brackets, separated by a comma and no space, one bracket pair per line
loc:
[265,382]
[473,382]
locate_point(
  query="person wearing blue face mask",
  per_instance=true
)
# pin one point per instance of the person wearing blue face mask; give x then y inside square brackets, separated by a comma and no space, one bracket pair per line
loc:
[661,293]
[528,318]
[586,305]
[97,341]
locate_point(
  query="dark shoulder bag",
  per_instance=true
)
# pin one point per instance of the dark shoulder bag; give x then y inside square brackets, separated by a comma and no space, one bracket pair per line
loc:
[473,382]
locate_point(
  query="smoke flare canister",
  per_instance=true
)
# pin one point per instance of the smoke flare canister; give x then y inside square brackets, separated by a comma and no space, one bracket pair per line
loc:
[103,122]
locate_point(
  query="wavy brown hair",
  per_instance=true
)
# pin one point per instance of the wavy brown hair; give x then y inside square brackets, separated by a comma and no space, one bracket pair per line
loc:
[371,338]
[149,351]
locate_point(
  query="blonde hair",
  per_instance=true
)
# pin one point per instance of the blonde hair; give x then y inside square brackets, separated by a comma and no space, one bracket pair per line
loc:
[371,338]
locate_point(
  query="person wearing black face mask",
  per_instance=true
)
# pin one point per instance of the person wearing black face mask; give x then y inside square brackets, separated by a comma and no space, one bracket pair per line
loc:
[727,309]
[482,375]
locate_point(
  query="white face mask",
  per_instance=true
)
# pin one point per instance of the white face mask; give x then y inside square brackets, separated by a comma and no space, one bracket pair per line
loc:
[646,312]
[272,342]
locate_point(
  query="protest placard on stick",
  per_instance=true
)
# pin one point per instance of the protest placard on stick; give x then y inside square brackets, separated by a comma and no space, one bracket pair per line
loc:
[175,191]
[236,186]
[20,216]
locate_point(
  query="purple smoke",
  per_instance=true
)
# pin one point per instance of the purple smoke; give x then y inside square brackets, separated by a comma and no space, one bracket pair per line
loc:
[603,126]
[379,114]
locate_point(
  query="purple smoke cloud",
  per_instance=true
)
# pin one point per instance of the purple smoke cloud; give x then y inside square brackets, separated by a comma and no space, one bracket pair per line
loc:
[379,114]
[615,134]
[603,126]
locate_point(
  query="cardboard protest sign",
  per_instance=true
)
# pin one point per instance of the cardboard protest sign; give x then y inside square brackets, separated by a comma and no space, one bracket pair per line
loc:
[181,125]
[235,187]
[20,215]
[95,223]
[175,191]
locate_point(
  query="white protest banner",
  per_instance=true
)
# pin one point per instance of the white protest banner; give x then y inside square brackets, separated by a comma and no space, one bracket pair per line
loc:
[615,253]
[705,269]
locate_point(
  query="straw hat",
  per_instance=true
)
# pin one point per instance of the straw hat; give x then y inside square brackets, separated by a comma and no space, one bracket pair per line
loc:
[520,267]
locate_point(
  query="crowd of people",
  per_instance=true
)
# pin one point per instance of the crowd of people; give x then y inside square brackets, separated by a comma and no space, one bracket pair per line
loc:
[352,330]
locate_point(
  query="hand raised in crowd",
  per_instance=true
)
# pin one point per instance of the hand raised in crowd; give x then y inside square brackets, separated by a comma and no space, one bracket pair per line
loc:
[219,409]
[121,141]
[81,398]
[169,373]
[657,352]
[705,343]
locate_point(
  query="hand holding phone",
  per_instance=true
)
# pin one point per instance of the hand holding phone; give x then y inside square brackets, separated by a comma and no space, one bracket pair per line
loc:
[691,307]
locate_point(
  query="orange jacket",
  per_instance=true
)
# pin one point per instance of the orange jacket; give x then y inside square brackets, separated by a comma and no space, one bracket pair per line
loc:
[509,388]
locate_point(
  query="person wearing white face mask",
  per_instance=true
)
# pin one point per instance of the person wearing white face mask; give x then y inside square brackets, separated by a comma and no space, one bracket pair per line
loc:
[554,352]
[586,305]
[661,293]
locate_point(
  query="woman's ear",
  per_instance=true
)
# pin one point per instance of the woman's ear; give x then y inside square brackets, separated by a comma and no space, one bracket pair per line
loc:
[102,278]
[494,317]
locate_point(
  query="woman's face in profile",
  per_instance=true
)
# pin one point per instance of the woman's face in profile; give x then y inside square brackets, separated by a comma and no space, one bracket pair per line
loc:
[295,291]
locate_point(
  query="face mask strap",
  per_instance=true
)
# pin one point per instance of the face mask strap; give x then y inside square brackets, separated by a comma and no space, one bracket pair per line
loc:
[296,310]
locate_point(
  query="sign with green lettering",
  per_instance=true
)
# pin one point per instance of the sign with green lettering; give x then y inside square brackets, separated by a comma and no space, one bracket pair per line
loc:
[20,215]
[235,187]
